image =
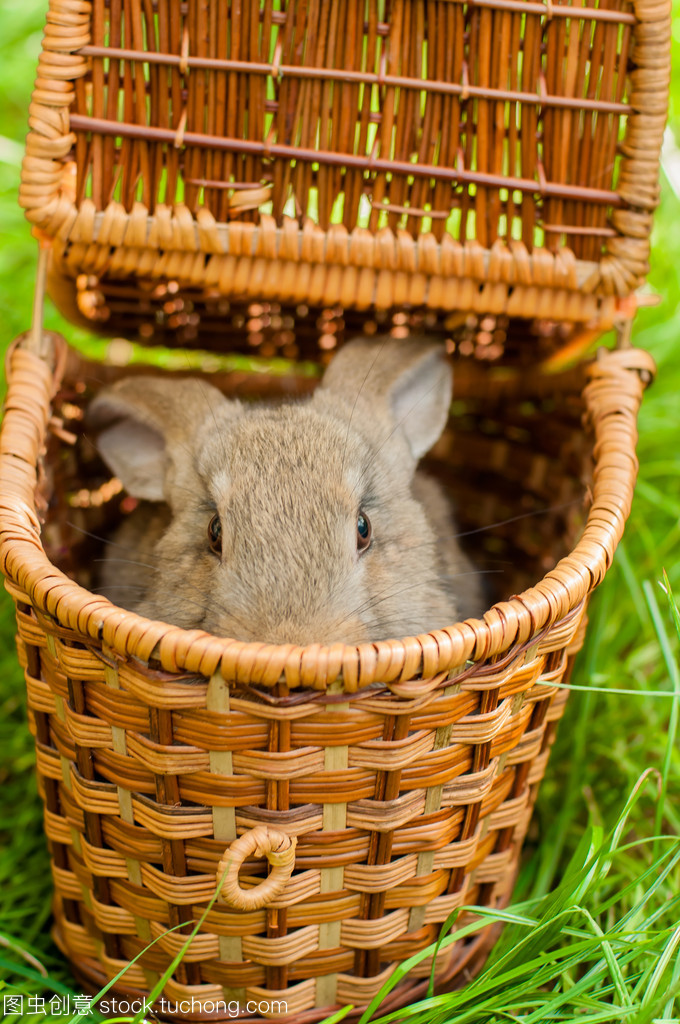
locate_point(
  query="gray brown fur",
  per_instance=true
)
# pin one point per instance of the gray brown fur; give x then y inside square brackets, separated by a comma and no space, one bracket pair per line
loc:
[288,483]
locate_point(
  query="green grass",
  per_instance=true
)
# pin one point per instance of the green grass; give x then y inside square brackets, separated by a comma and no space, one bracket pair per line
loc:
[593,932]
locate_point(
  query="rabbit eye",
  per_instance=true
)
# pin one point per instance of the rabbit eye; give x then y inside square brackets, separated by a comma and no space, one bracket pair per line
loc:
[363,532]
[215,534]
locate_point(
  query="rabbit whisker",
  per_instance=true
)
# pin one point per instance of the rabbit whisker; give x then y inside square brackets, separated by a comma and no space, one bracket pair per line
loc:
[116,544]
[96,536]
[154,568]
[105,591]
[203,606]
[118,586]
[374,601]
[356,399]
[522,515]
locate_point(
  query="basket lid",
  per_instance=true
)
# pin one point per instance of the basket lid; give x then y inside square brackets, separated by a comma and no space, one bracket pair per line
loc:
[497,157]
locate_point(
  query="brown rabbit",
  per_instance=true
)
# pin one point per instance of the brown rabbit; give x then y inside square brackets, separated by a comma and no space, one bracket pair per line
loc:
[301,523]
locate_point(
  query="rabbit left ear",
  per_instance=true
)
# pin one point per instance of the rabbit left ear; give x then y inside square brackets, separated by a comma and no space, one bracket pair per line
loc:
[409,381]
[135,453]
[147,424]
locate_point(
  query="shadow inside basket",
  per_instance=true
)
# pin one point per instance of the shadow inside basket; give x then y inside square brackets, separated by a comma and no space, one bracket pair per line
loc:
[514,457]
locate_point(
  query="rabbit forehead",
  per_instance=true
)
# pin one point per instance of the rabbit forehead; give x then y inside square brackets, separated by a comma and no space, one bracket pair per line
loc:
[284,451]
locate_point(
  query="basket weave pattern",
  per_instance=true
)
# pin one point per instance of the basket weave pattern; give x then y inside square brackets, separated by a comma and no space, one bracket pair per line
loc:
[400,774]
[451,155]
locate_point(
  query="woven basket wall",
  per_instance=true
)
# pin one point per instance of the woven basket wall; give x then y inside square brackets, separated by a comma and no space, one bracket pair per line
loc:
[492,157]
[406,770]
[271,178]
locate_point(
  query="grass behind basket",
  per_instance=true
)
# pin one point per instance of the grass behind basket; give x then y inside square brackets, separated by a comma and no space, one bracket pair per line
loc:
[553,962]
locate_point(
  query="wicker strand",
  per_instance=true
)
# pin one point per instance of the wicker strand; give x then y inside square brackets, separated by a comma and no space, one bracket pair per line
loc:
[37,341]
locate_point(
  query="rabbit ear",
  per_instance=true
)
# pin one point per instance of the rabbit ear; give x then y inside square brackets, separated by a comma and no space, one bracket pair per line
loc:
[409,380]
[147,423]
[136,455]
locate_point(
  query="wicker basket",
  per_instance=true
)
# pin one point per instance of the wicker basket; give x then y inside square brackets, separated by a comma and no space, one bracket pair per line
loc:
[389,784]
[465,157]
[405,770]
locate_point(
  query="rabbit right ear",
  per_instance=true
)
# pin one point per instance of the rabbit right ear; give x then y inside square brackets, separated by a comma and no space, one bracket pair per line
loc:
[404,384]
[146,424]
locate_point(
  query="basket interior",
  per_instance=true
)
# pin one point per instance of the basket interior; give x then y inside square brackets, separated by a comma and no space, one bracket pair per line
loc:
[514,459]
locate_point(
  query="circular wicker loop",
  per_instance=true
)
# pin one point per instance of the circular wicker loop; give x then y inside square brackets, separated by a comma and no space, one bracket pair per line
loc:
[277,847]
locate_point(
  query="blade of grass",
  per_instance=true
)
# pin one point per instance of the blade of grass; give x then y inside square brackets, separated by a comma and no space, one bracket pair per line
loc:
[672,668]
[636,595]
[121,972]
[554,845]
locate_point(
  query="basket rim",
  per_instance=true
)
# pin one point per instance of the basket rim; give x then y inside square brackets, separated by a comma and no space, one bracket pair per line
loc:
[380,269]
[612,396]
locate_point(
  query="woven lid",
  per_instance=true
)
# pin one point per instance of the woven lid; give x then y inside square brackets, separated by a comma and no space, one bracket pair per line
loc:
[496,157]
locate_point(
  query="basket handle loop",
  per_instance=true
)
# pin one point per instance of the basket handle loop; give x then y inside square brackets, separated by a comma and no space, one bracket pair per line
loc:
[610,362]
[277,847]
